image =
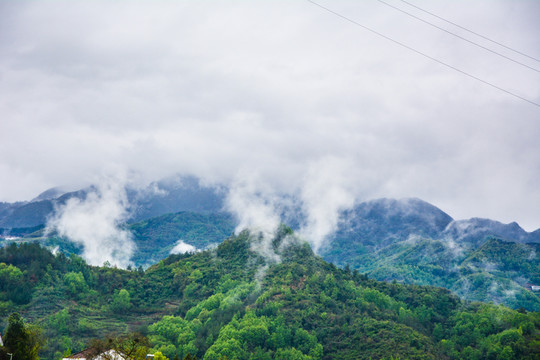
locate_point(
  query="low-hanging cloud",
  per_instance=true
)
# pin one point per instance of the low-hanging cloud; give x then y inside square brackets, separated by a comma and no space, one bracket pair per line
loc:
[95,223]
[328,190]
[182,247]
[282,90]
[257,212]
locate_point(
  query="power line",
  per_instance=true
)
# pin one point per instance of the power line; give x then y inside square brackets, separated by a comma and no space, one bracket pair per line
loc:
[472,32]
[423,54]
[456,35]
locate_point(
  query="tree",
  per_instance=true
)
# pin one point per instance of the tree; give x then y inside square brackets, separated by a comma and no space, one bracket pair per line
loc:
[75,284]
[121,302]
[24,342]
[12,281]
[159,356]
[133,346]
[4,353]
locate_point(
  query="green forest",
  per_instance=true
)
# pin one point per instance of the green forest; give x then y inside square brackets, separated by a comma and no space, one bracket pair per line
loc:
[248,298]
[486,268]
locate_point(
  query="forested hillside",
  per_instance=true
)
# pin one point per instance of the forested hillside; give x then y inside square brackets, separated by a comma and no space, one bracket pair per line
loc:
[251,298]
[408,241]
[414,242]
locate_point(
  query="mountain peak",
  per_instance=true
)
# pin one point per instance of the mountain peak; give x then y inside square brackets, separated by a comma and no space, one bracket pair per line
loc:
[478,228]
[50,194]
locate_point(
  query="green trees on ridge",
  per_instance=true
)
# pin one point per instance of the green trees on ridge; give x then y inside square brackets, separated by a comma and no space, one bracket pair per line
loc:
[231,302]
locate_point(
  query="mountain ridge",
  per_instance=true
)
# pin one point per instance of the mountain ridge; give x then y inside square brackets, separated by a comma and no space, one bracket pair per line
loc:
[239,301]
[407,240]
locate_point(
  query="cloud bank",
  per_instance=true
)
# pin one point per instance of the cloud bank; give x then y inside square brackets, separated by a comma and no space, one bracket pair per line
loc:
[95,223]
[301,100]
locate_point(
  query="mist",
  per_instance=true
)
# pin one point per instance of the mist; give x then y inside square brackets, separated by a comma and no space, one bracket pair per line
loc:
[182,247]
[272,100]
[95,222]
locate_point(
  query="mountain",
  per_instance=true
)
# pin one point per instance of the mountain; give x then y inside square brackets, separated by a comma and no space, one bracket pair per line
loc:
[35,212]
[375,224]
[413,242]
[254,298]
[477,229]
[497,271]
[50,194]
[175,194]
[26,214]
[156,237]
[407,240]
[166,196]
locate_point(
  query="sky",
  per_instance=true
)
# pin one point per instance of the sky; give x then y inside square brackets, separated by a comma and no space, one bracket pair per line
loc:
[281,97]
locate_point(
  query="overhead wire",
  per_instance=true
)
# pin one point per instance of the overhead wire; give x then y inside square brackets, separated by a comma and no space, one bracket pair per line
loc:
[424,54]
[458,36]
[471,31]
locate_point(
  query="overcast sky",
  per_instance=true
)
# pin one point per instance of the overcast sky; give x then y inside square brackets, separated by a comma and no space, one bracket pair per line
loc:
[281,92]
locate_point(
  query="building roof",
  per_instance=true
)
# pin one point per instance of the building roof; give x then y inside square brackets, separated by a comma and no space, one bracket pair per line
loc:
[106,355]
[80,355]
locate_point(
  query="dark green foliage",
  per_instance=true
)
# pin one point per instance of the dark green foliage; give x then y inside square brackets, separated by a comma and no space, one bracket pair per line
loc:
[232,302]
[121,302]
[388,239]
[155,237]
[23,341]
[4,353]
[496,271]
[414,242]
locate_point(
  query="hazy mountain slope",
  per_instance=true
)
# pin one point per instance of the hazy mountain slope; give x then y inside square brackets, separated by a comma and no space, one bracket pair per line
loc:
[376,224]
[163,197]
[475,230]
[414,242]
[380,237]
[175,195]
[497,271]
[27,215]
[156,237]
[36,212]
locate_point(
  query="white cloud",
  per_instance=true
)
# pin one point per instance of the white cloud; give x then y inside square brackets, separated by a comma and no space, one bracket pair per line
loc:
[94,222]
[220,89]
[181,248]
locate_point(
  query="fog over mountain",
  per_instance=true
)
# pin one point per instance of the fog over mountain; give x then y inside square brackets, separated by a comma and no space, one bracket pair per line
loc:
[274,98]
[375,223]
[407,240]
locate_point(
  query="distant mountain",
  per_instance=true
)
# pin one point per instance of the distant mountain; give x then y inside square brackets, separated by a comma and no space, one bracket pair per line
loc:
[34,213]
[407,240]
[50,194]
[27,214]
[163,197]
[174,195]
[374,225]
[476,229]
[497,271]
[379,223]
[535,236]
[414,242]
[156,237]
